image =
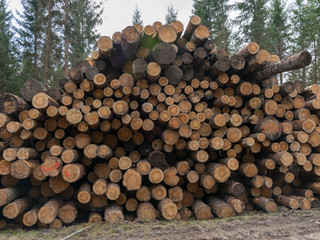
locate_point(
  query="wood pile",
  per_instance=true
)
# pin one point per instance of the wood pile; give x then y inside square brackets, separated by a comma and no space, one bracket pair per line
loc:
[158,123]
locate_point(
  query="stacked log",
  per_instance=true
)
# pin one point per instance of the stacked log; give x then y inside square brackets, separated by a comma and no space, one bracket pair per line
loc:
[161,126]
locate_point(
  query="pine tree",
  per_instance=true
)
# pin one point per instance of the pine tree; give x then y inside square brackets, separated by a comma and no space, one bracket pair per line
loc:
[278,31]
[66,38]
[52,58]
[47,45]
[30,38]
[136,17]
[299,35]
[171,15]
[8,62]
[85,16]
[214,14]
[251,22]
[313,37]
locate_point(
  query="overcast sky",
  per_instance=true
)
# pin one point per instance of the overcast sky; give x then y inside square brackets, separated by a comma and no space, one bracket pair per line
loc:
[118,13]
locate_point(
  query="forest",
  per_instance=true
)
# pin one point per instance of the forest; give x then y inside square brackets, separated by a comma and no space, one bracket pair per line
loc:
[51,36]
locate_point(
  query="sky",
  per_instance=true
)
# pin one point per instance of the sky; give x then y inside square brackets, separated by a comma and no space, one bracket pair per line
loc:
[118,13]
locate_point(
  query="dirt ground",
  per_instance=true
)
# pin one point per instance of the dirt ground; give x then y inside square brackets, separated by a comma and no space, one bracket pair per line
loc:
[288,225]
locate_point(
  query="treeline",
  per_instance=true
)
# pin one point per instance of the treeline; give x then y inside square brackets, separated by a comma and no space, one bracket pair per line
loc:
[284,27]
[50,36]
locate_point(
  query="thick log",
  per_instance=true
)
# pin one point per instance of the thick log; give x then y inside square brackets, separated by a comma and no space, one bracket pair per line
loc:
[146,211]
[11,104]
[288,201]
[299,60]
[200,35]
[132,180]
[234,188]
[220,208]
[49,211]
[167,34]
[236,203]
[167,208]
[73,172]
[9,194]
[113,213]
[250,50]
[30,88]
[270,126]
[163,53]
[12,210]
[22,169]
[266,204]
[43,101]
[30,218]
[219,171]
[201,210]
[129,42]
[84,193]
[68,212]
[194,22]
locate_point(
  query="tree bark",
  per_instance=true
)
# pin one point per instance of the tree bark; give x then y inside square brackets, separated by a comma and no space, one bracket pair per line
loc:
[48,42]
[66,38]
[299,60]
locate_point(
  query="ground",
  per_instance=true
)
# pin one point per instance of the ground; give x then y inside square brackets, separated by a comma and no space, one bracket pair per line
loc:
[288,225]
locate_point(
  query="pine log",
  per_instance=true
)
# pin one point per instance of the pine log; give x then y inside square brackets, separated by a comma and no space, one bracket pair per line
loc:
[30,218]
[49,211]
[266,204]
[68,212]
[13,209]
[11,104]
[22,169]
[132,180]
[220,208]
[167,208]
[129,42]
[296,61]
[73,172]
[146,211]
[234,188]
[30,88]
[201,210]
[288,201]
[113,213]
[194,22]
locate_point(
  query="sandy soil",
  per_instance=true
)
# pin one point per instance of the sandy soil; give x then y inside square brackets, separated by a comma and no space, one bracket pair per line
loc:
[289,225]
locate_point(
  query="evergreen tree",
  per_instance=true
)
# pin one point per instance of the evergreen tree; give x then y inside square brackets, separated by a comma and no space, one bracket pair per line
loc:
[251,22]
[66,38]
[47,44]
[171,15]
[278,31]
[30,37]
[52,58]
[85,16]
[313,37]
[214,15]
[299,35]
[8,63]
[136,17]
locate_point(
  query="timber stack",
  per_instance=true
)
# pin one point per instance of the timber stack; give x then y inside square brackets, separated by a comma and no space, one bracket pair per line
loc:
[159,123]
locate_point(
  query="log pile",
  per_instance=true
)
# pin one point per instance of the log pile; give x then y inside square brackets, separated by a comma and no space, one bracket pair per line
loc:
[159,123]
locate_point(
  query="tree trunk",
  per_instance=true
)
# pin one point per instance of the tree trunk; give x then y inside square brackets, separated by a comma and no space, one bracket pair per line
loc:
[315,80]
[66,38]
[296,61]
[47,53]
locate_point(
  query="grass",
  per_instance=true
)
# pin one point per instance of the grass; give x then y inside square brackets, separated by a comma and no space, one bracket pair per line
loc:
[128,229]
